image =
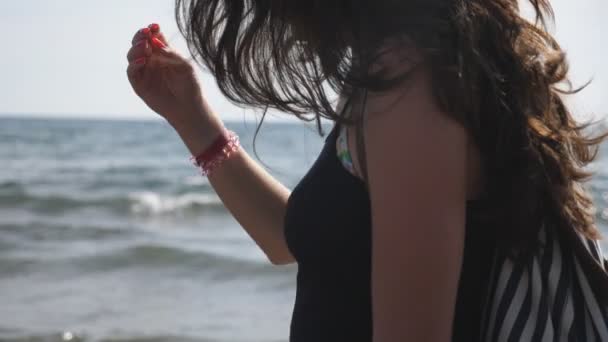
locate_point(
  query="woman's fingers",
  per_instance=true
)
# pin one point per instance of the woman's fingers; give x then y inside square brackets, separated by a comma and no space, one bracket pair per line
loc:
[153,30]
[142,34]
[139,50]
[154,27]
[156,32]
[167,57]
[150,45]
[142,40]
[157,43]
[135,68]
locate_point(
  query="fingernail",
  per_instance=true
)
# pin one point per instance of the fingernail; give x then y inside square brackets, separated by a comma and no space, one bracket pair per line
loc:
[158,43]
[140,61]
[154,27]
[145,30]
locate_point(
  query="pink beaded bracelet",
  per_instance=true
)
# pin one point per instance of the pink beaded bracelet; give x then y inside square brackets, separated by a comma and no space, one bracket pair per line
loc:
[220,150]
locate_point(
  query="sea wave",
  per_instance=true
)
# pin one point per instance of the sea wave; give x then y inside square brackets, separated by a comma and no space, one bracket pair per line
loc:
[159,255]
[11,187]
[137,202]
[35,230]
[196,181]
[104,181]
[139,256]
[155,203]
[76,337]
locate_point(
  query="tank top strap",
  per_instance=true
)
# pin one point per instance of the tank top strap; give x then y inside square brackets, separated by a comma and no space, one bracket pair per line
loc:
[342,151]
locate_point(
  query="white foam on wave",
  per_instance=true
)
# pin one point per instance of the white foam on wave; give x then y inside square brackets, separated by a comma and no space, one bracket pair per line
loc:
[196,180]
[605,196]
[155,203]
[247,251]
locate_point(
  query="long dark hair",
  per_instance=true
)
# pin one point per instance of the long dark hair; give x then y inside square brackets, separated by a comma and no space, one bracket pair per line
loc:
[499,74]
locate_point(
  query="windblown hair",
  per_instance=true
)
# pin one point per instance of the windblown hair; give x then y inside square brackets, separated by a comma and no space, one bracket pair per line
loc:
[499,74]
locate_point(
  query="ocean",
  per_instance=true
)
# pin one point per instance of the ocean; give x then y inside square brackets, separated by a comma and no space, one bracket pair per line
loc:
[108,233]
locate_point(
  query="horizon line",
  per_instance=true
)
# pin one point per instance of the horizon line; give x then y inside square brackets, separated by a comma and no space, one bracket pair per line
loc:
[270,117]
[151,118]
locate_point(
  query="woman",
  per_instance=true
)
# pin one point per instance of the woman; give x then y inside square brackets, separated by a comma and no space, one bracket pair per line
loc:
[447,201]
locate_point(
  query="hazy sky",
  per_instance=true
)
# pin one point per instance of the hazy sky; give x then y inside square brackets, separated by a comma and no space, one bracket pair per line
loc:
[67,57]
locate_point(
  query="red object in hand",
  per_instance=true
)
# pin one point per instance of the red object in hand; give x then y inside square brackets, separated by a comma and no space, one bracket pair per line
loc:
[220,150]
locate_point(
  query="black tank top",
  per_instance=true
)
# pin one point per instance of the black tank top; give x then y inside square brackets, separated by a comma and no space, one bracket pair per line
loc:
[328,231]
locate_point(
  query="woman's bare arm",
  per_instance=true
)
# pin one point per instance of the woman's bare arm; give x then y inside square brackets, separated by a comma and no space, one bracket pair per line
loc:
[254,197]
[166,82]
[417,176]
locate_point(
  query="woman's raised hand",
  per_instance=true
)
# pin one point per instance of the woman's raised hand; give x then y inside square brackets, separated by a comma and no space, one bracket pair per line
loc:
[163,78]
[167,83]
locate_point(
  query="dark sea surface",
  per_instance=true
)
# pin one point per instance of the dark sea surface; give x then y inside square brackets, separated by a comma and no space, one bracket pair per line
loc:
[108,233]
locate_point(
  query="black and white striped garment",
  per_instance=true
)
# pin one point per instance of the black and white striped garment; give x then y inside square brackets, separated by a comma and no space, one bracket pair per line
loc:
[547,298]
